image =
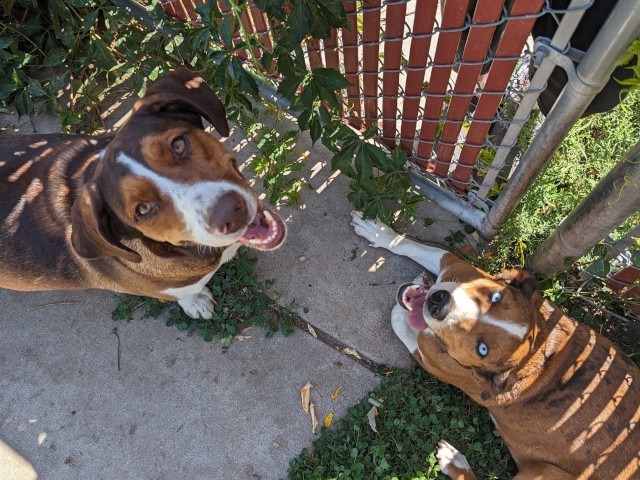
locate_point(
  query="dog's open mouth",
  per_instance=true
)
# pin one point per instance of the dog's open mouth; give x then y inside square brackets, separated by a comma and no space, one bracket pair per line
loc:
[267,231]
[411,297]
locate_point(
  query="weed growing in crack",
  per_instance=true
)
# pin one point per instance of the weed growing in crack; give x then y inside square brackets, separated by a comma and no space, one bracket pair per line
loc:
[415,412]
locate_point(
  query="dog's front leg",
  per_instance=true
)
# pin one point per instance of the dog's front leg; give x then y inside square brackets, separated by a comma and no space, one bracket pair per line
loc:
[196,300]
[380,235]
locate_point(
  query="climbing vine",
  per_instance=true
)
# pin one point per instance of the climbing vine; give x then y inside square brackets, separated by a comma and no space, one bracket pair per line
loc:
[65,56]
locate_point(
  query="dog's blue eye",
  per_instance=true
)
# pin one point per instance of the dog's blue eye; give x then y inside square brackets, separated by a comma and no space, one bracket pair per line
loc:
[483,349]
[144,209]
[179,145]
[496,297]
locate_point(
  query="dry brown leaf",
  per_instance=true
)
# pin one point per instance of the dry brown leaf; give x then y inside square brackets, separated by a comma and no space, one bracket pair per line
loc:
[372,418]
[352,352]
[328,419]
[335,394]
[314,420]
[305,396]
[312,331]
[247,330]
[240,338]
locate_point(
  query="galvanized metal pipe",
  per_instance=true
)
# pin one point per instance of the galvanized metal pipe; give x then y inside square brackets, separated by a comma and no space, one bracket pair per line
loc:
[620,29]
[448,200]
[611,202]
[559,41]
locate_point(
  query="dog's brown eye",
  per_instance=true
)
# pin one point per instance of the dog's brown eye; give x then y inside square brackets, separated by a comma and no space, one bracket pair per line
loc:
[144,209]
[179,145]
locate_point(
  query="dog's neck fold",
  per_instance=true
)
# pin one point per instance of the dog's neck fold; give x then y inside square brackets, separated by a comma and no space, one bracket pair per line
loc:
[552,332]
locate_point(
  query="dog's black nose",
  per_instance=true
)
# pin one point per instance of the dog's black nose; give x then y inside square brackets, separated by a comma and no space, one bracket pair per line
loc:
[229,214]
[438,304]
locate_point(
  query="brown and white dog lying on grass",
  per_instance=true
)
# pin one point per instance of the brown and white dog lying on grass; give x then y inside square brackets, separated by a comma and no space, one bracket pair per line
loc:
[565,400]
[153,210]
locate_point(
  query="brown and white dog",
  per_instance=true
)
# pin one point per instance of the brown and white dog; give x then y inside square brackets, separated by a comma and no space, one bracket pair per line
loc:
[565,400]
[153,210]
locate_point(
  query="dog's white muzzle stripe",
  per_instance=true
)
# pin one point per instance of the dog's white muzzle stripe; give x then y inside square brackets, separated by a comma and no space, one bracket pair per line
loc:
[193,201]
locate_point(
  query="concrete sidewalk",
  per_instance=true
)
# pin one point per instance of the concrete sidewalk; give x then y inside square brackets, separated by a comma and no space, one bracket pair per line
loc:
[84,397]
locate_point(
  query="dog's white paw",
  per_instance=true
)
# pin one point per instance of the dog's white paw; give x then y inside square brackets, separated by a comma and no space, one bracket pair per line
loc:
[451,460]
[377,233]
[199,305]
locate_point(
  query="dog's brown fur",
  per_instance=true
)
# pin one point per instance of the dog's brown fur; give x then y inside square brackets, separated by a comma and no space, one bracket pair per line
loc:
[565,400]
[70,204]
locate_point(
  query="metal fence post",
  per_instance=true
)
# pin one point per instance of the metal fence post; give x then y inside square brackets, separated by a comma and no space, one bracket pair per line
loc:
[611,202]
[619,30]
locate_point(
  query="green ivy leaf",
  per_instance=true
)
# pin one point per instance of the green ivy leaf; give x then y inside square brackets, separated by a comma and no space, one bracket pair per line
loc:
[55,57]
[6,90]
[298,20]
[635,258]
[601,267]
[153,74]
[330,79]
[333,12]
[227,27]
[273,8]
[458,237]
[221,72]
[289,86]
[315,129]
[24,103]
[398,158]
[600,251]
[362,164]
[89,20]
[319,28]
[377,155]
[303,119]
[378,209]
[248,84]
[342,160]
[5,41]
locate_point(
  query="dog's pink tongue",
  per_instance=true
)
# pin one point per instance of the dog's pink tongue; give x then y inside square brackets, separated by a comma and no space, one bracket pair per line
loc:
[415,298]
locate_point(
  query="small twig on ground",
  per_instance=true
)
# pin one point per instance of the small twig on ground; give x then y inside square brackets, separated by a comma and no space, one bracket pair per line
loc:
[53,303]
[115,332]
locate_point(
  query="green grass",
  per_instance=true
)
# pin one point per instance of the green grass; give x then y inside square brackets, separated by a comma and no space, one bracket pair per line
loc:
[591,148]
[241,302]
[415,412]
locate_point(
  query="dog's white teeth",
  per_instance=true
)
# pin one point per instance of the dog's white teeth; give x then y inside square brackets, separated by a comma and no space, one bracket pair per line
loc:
[255,241]
[267,215]
[407,304]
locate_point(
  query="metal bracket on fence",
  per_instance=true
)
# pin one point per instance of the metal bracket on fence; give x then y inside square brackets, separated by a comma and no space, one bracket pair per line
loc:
[566,59]
[585,81]
[446,199]
[480,203]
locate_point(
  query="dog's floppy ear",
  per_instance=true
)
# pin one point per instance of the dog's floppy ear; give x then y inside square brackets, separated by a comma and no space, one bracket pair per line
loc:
[521,279]
[90,235]
[184,92]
